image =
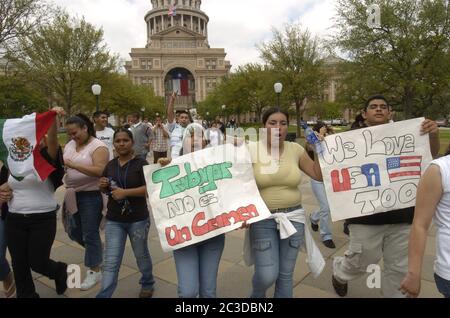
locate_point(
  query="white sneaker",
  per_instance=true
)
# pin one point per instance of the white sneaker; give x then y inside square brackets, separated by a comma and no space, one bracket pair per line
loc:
[92,278]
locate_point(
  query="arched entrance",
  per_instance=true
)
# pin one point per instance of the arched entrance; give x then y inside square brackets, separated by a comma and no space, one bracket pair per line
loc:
[181,80]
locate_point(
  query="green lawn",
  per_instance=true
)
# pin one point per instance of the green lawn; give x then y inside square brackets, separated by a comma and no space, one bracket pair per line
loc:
[445,140]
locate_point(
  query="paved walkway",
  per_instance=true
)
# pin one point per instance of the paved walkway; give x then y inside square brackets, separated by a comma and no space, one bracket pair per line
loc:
[234,279]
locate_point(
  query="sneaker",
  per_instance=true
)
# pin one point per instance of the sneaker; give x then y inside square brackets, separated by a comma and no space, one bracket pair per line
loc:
[92,278]
[329,244]
[61,279]
[340,288]
[314,227]
[145,293]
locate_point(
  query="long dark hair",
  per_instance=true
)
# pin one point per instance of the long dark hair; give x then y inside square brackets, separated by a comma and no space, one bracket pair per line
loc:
[272,111]
[81,120]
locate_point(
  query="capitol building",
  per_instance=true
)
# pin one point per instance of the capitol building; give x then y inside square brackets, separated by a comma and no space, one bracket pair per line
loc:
[177,56]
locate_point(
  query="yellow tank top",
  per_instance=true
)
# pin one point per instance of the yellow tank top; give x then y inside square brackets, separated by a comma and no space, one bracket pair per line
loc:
[278,180]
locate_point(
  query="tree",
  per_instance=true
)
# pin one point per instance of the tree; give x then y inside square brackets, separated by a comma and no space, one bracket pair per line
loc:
[20,18]
[121,97]
[64,58]
[325,110]
[17,98]
[295,56]
[257,83]
[407,58]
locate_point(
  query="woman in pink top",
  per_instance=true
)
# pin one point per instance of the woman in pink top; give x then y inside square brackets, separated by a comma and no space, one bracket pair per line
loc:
[85,158]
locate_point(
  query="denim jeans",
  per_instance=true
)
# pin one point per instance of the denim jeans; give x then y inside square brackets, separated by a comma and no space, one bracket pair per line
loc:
[322,216]
[90,205]
[115,239]
[4,265]
[197,267]
[442,285]
[274,258]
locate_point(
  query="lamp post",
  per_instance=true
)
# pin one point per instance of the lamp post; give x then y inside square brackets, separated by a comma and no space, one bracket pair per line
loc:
[278,87]
[224,107]
[96,90]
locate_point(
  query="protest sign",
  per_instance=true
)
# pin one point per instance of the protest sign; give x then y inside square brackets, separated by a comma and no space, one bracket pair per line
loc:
[374,170]
[202,195]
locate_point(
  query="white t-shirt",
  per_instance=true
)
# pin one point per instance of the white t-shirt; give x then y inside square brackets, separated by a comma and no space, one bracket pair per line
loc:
[31,196]
[442,221]
[215,137]
[107,137]
[176,139]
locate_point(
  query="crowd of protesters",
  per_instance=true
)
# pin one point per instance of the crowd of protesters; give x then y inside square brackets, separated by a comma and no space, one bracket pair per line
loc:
[102,172]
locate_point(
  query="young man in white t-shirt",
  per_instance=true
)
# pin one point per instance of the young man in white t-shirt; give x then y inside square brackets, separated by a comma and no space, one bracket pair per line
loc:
[103,132]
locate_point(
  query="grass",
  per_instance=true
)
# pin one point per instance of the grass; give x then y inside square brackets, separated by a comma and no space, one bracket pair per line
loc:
[444,135]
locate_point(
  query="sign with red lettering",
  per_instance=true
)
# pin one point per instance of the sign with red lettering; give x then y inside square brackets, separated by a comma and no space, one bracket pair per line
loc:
[374,170]
[203,194]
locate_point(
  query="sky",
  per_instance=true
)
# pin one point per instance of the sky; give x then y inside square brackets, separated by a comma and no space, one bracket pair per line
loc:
[236,25]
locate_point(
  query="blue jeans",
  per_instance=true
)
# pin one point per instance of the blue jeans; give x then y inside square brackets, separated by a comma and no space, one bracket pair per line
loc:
[197,267]
[322,216]
[90,205]
[274,258]
[4,265]
[442,285]
[115,239]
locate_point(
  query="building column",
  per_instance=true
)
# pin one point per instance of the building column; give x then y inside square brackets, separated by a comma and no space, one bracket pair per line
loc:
[162,22]
[192,23]
[182,20]
[199,25]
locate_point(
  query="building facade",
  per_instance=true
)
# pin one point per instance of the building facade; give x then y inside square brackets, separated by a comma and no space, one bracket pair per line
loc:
[177,56]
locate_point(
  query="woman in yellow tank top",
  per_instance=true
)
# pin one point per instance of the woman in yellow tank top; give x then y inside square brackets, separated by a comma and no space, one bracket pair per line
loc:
[277,166]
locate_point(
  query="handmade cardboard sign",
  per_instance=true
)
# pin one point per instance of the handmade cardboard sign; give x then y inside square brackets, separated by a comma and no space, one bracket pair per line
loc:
[374,170]
[203,194]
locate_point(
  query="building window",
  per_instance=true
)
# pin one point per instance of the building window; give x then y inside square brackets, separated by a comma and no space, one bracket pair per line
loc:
[135,63]
[146,64]
[211,83]
[211,64]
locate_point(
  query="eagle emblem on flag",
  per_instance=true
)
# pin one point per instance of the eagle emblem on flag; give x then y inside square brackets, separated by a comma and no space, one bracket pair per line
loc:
[20,149]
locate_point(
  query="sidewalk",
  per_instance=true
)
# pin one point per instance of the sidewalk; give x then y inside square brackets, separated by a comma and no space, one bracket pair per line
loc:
[235,277]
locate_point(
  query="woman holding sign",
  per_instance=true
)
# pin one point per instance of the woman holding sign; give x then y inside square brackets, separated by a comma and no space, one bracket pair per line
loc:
[277,165]
[123,179]
[197,265]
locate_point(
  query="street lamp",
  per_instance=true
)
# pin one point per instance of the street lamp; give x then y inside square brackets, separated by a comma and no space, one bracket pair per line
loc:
[278,87]
[96,90]
[224,107]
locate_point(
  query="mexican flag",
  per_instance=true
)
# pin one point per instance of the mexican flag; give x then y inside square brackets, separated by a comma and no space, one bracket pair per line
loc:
[19,144]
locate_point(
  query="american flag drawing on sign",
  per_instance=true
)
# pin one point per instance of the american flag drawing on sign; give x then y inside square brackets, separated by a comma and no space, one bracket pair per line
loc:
[404,168]
[172,11]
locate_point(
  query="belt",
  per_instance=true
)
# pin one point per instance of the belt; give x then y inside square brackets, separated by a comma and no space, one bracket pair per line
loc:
[287,210]
[31,215]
